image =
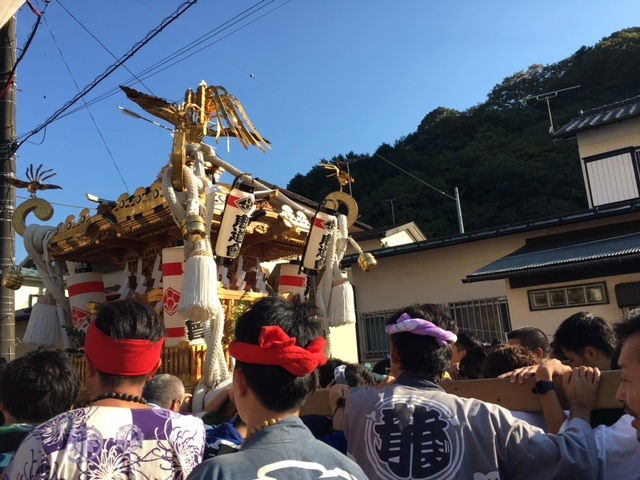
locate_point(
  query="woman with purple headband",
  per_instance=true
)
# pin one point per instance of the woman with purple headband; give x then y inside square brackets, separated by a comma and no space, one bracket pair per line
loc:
[413,429]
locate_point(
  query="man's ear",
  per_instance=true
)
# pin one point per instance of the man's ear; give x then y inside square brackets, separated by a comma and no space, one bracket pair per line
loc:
[150,376]
[90,370]
[240,382]
[539,353]
[591,354]
[395,357]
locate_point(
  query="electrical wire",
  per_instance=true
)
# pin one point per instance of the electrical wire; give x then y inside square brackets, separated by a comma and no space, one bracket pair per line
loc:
[99,43]
[54,203]
[162,64]
[181,55]
[166,22]
[95,124]
[12,74]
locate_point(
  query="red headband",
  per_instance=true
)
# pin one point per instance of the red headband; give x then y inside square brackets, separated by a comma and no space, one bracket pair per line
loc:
[117,356]
[278,348]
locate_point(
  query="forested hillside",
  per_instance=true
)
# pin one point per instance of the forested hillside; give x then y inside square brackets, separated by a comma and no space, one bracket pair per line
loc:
[499,153]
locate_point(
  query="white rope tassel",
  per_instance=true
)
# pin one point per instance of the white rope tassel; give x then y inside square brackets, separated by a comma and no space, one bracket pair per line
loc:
[342,310]
[199,300]
[36,240]
[42,328]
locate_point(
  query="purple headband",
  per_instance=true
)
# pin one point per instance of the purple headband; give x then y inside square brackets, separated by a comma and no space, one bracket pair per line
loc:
[419,326]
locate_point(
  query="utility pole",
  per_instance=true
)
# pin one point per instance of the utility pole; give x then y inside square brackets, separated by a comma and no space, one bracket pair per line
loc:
[7,192]
[459,211]
[393,212]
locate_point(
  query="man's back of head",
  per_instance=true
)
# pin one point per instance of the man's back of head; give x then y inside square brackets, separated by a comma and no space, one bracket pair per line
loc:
[166,391]
[280,384]
[38,386]
[531,337]
[415,351]
[587,340]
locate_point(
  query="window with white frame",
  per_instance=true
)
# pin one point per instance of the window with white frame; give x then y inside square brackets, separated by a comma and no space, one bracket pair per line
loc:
[570,296]
[613,177]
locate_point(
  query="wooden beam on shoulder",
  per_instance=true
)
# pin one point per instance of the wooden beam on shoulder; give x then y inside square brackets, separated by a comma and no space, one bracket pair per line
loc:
[501,392]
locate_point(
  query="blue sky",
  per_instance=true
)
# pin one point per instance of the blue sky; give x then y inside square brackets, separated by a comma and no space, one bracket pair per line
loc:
[317,78]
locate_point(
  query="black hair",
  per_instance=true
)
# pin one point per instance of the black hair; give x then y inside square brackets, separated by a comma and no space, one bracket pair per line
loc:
[532,338]
[421,353]
[132,320]
[355,374]
[583,330]
[506,358]
[275,387]
[325,372]
[629,326]
[39,385]
[381,366]
[467,340]
[473,364]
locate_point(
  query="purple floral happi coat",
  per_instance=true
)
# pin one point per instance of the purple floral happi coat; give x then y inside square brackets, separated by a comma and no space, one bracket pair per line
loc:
[111,443]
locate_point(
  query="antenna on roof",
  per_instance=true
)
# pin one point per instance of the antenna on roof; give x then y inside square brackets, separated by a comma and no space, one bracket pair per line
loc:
[546,97]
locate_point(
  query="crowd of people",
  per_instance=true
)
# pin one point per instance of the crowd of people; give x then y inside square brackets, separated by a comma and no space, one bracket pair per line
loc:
[390,421]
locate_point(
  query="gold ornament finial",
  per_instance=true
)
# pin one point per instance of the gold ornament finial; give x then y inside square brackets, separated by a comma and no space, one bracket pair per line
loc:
[36,180]
[13,279]
[367,261]
[343,178]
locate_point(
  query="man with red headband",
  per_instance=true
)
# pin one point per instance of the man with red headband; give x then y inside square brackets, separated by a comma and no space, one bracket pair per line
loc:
[278,346]
[413,429]
[118,435]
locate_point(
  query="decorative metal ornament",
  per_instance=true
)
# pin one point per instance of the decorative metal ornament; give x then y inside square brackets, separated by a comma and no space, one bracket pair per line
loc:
[367,261]
[335,199]
[209,111]
[36,180]
[193,228]
[41,208]
[13,279]
[239,207]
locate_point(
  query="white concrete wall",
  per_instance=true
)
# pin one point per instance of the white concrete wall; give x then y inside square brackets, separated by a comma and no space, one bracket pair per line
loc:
[549,320]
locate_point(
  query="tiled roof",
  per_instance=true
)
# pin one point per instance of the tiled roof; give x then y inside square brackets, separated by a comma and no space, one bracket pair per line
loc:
[583,216]
[540,256]
[598,117]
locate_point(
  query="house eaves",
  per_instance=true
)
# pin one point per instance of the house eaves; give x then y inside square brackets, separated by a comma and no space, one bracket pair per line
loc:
[600,117]
[543,223]
[552,256]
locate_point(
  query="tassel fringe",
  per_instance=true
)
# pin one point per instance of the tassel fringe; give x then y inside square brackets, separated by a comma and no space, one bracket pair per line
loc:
[199,300]
[42,328]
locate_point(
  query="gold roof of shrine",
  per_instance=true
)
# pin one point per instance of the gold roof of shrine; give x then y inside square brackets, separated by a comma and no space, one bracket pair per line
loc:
[139,226]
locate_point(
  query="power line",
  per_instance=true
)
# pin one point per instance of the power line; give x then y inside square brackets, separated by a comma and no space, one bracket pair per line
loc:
[414,177]
[99,43]
[166,22]
[162,64]
[104,142]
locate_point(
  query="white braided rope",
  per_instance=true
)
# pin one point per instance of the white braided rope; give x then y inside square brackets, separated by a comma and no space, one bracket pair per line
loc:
[216,372]
[36,240]
[335,252]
